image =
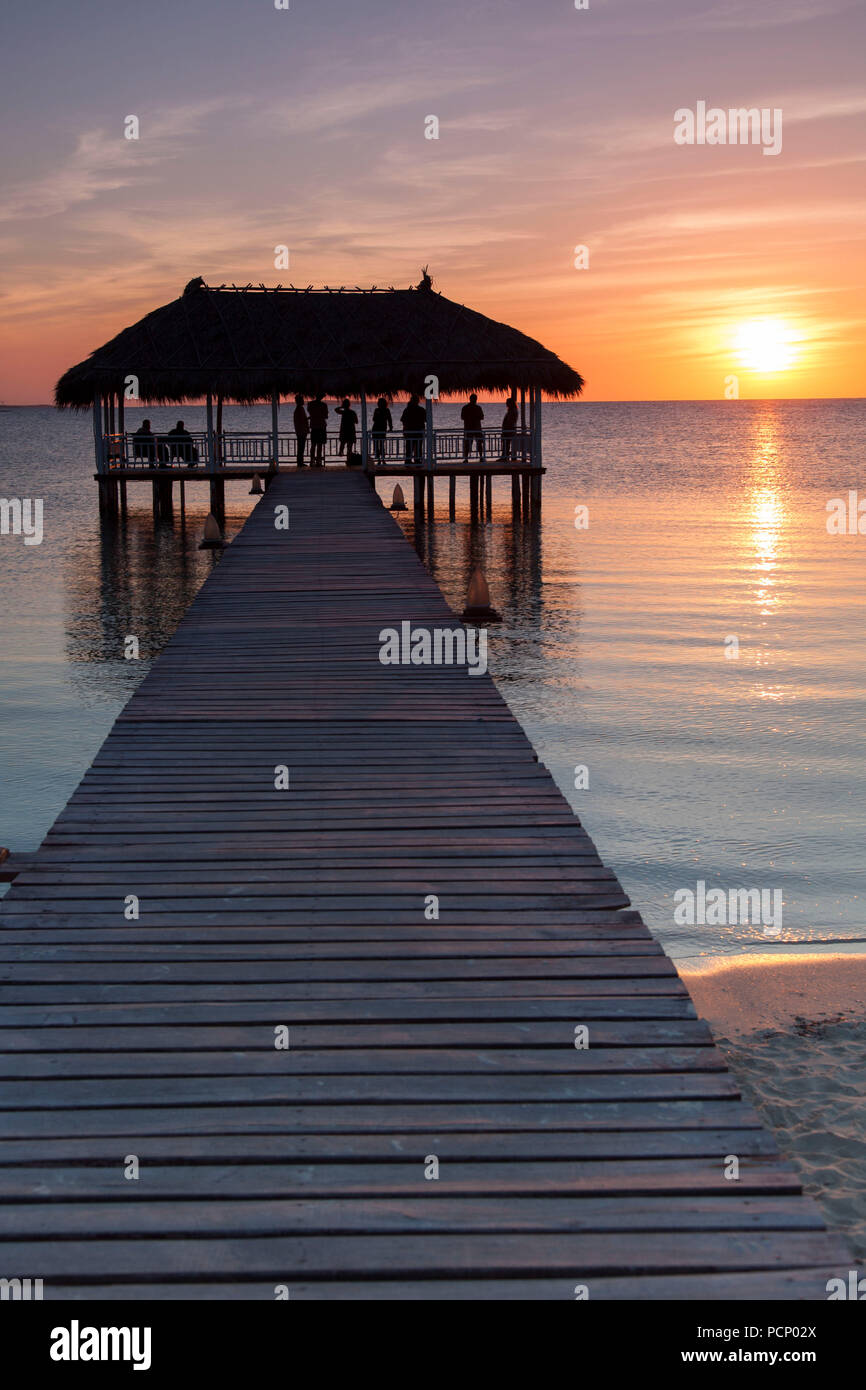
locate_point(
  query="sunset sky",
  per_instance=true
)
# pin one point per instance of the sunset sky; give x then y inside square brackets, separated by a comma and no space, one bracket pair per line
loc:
[305,126]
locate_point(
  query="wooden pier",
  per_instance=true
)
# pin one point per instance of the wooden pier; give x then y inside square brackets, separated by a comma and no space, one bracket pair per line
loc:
[421,917]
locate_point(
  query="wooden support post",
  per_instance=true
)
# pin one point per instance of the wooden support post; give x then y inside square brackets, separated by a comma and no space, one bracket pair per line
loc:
[211,447]
[218,498]
[164,499]
[418,496]
[515,497]
[219,429]
[182,497]
[452,497]
[524,479]
[121,427]
[275,429]
[365,443]
[489,498]
[122,489]
[155,491]
[523,424]
[473,497]
[430,499]
[536,495]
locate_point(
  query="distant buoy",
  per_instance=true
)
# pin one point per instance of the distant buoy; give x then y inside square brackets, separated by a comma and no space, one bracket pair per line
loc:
[256,488]
[478,608]
[212,538]
[398,501]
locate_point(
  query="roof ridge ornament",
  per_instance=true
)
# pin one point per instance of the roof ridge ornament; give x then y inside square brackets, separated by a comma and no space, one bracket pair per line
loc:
[193,285]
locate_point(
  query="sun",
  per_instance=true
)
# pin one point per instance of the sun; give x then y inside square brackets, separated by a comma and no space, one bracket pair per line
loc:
[765,345]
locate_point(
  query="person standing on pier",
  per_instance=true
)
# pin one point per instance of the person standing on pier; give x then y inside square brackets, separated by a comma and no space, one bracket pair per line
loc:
[348,428]
[318,413]
[472,416]
[413,420]
[509,428]
[302,429]
[382,425]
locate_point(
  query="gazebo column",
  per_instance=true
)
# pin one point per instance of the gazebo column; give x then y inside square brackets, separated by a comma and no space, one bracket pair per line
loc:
[211,450]
[121,426]
[365,442]
[217,482]
[430,452]
[515,477]
[275,429]
[121,430]
[103,482]
[219,428]
[536,453]
[97,434]
[526,455]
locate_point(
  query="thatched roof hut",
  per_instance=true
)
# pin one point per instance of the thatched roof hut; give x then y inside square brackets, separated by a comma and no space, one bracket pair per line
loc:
[253,343]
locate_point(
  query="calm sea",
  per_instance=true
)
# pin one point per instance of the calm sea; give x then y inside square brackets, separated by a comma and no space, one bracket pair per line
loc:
[707,523]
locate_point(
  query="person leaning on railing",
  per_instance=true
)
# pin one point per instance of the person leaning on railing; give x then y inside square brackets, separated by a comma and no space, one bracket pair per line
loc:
[413,420]
[348,428]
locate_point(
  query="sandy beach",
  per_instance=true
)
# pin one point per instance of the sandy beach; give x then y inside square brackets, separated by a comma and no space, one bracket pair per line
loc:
[793,1029]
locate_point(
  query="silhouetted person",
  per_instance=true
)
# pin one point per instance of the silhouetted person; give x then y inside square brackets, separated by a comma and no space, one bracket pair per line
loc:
[302,429]
[472,416]
[348,427]
[181,446]
[318,413]
[144,443]
[413,420]
[382,425]
[509,428]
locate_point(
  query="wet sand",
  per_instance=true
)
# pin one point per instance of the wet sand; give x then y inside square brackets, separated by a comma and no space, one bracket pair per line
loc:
[793,1029]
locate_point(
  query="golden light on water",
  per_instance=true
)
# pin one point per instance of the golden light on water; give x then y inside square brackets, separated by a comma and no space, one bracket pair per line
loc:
[766,346]
[766,512]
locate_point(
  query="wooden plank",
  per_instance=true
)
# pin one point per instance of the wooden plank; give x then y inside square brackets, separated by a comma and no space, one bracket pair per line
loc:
[427,1255]
[407,1215]
[808,1283]
[371,1118]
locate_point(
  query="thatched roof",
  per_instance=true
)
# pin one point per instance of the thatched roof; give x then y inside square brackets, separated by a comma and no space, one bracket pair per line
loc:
[246,343]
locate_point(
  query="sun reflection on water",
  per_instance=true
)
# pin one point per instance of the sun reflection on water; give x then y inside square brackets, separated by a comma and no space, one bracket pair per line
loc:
[766,515]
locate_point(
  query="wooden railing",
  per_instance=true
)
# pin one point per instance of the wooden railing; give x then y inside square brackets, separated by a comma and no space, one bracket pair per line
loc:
[255,448]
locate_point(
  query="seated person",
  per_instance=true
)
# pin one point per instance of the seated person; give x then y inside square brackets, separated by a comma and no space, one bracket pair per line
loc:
[180,445]
[144,443]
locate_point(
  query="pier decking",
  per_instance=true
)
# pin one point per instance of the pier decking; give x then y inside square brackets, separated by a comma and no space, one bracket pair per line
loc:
[414,1041]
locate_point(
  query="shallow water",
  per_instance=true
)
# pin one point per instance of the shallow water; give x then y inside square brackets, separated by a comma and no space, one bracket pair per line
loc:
[707,521]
